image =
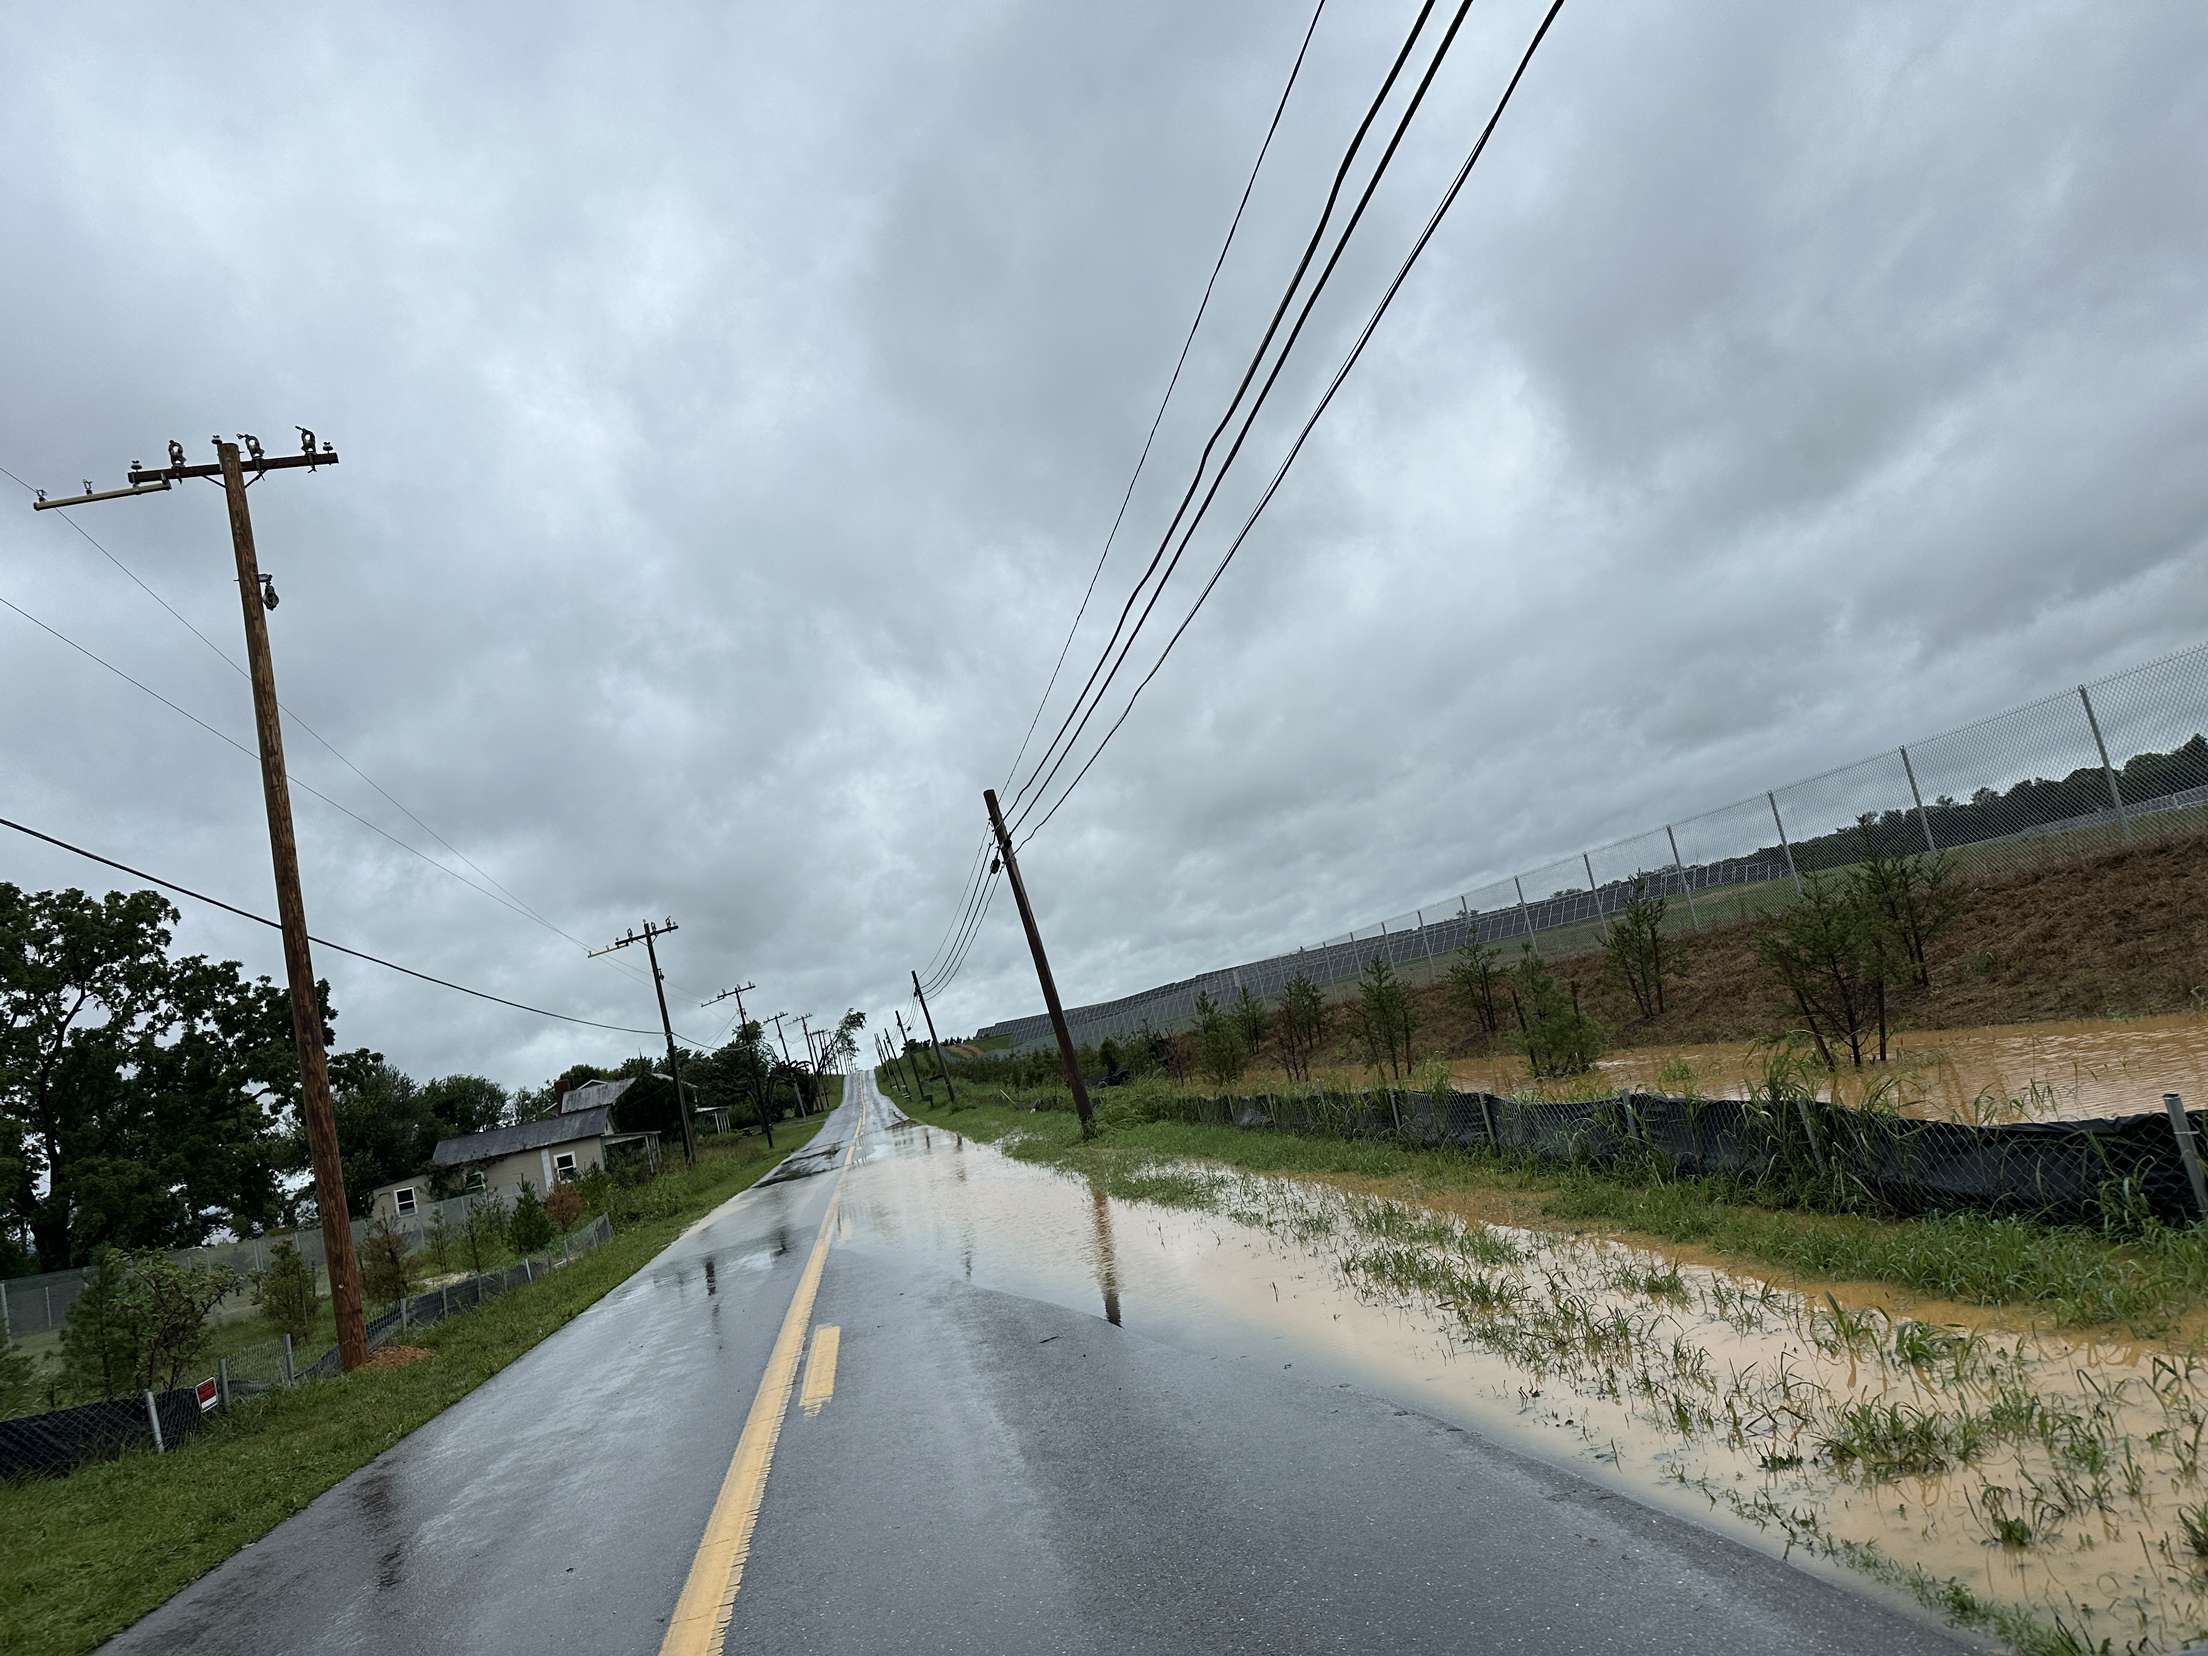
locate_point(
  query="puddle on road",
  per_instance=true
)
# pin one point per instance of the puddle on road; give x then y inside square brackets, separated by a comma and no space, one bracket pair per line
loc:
[2038,1472]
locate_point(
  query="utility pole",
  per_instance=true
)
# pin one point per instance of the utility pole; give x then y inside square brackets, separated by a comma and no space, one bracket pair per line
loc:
[935,1045]
[919,1087]
[649,937]
[1042,967]
[758,1090]
[257,596]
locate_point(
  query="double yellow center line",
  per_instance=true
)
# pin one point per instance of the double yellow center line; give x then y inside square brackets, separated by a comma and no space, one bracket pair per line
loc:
[699,1626]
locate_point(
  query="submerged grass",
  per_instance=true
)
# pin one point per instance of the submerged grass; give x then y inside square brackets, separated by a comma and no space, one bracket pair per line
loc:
[90,1553]
[2145,1282]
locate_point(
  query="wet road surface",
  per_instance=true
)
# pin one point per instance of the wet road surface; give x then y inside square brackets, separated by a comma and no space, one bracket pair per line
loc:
[912,1397]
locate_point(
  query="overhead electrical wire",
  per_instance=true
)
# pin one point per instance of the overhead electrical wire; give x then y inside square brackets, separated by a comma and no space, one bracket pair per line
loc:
[1257,358]
[1179,363]
[325,943]
[969,923]
[499,893]
[981,914]
[1249,422]
[958,913]
[1340,374]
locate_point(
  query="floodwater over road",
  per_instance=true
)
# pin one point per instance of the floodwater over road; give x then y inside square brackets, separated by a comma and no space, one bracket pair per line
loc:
[2067,1070]
[2041,1473]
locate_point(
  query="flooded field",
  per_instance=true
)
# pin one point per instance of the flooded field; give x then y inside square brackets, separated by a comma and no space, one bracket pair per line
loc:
[2041,1487]
[2036,1072]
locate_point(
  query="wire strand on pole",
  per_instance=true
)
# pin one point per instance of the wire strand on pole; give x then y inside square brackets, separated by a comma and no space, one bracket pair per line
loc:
[1171,384]
[1249,373]
[1341,374]
[322,942]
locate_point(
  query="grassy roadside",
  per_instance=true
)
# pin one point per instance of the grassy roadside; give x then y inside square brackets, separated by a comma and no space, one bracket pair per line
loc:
[87,1555]
[2147,1285]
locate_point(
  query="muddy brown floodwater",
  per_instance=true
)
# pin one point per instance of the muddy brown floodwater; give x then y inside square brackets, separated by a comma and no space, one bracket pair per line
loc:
[2036,1072]
[2020,1472]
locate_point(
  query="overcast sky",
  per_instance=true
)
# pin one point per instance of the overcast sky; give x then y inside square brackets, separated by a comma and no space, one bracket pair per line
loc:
[732,405]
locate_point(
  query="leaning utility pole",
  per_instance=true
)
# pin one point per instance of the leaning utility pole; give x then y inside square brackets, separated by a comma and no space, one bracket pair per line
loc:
[257,596]
[758,1088]
[919,1087]
[659,988]
[934,1044]
[1011,868]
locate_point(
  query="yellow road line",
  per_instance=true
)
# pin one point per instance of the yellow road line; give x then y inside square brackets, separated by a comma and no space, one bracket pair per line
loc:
[820,1370]
[699,1626]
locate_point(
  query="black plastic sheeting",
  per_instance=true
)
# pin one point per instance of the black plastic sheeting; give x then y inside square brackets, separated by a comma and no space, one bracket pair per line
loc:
[47,1445]
[2068,1171]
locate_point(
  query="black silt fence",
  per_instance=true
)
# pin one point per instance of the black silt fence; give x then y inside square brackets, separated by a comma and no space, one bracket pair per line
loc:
[47,1445]
[2067,1171]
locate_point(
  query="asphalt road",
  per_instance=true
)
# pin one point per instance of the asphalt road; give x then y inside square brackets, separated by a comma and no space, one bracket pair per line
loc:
[811,1425]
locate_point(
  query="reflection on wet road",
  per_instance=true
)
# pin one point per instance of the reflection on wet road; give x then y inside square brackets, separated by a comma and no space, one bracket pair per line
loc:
[1032,1417]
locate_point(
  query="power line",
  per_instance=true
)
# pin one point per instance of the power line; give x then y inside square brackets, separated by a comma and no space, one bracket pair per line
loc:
[338,753]
[1340,374]
[969,923]
[1179,363]
[304,787]
[958,912]
[321,942]
[1288,293]
[1249,422]
[973,932]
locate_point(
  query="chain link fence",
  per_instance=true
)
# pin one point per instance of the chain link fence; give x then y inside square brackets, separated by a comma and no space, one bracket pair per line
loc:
[34,1305]
[2117,762]
[58,1440]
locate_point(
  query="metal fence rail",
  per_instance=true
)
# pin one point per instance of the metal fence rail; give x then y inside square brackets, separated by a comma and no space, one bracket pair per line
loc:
[2117,762]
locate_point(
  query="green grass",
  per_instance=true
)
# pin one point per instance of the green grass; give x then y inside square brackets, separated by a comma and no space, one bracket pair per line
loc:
[2080,1277]
[90,1553]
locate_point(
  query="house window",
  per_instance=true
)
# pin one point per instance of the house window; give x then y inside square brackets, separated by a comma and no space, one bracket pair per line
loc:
[475,1184]
[403,1199]
[563,1165]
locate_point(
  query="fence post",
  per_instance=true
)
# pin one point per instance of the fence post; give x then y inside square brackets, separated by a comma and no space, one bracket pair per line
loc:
[222,1382]
[1587,861]
[153,1419]
[1784,844]
[1426,941]
[1526,916]
[1487,1120]
[1923,821]
[7,1321]
[1632,1118]
[2115,794]
[291,1375]
[2181,1127]
[1809,1126]
[1685,880]
[527,1275]
[1395,1115]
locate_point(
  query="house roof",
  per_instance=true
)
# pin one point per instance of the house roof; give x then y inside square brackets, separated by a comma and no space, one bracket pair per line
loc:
[592,1094]
[526,1135]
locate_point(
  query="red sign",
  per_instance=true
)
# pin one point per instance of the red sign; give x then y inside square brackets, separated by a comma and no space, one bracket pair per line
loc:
[207,1395]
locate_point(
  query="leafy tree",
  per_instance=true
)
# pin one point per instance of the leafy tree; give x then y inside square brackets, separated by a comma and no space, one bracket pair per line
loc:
[98,1353]
[1301,1026]
[1384,1017]
[1221,1049]
[18,1378]
[844,1043]
[1109,1059]
[1558,1038]
[285,1292]
[1832,957]
[140,1095]
[439,1240]
[564,1206]
[1913,897]
[1250,1019]
[1635,948]
[482,1224]
[528,1227]
[141,1322]
[387,1272]
[1474,977]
